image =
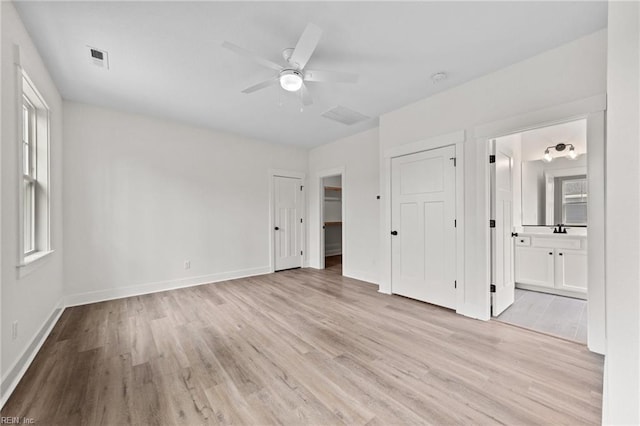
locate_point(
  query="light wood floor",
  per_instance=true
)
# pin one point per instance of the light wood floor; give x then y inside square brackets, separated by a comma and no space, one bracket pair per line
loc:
[560,316]
[333,264]
[300,347]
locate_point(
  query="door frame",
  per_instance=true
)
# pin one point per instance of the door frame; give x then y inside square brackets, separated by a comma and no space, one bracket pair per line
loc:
[336,171]
[593,110]
[272,242]
[456,139]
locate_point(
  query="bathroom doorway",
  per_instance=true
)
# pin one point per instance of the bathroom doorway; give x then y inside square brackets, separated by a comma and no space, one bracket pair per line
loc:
[540,209]
[332,222]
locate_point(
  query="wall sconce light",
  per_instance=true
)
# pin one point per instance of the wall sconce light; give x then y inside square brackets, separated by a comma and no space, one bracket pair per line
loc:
[560,147]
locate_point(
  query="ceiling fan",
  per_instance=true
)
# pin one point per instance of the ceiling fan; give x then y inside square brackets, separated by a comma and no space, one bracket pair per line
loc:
[293,75]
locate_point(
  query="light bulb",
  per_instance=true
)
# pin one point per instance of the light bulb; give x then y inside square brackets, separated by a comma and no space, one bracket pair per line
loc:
[572,153]
[290,80]
[547,156]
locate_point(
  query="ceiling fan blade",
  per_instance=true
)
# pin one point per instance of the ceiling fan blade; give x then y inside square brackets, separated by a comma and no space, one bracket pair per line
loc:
[248,54]
[306,45]
[262,85]
[330,76]
[306,96]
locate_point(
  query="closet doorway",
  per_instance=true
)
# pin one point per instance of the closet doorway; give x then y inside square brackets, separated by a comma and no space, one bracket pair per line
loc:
[332,222]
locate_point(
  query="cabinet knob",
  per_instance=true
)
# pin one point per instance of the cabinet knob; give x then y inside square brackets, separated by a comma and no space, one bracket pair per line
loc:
[560,254]
[550,253]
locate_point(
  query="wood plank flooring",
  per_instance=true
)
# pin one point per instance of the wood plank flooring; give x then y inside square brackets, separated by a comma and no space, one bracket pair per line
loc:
[333,263]
[300,347]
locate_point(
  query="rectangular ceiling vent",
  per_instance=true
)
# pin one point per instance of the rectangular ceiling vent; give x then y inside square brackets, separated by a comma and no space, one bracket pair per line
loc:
[99,58]
[344,115]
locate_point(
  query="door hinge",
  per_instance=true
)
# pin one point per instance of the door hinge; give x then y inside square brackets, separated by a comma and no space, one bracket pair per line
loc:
[454,161]
[492,223]
[300,252]
[455,284]
[493,288]
[300,220]
[492,159]
[301,187]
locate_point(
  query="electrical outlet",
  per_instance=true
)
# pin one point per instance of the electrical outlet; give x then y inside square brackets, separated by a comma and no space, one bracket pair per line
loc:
[187,264]
[14,330]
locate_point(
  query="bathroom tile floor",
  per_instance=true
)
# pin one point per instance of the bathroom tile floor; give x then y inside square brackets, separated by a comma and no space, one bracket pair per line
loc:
[557,315]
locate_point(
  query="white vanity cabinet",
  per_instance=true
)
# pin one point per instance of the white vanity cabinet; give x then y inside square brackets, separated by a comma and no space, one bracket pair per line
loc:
[571,270]
[552,264]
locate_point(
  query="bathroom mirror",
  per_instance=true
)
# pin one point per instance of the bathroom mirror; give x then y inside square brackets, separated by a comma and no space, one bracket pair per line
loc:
[555,192]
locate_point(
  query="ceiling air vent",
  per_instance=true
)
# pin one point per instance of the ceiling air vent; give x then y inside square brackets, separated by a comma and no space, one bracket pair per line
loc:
[344,115]
[99,58]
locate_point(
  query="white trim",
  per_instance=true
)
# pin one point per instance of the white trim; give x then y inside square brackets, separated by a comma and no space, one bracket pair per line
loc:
[335,171]
[27,263]
[15,373]
[333,252]
[562,113]
[426,145]
[591,109]
[290,174]
[460,226]
[33,262]
[456,139]
[154,287]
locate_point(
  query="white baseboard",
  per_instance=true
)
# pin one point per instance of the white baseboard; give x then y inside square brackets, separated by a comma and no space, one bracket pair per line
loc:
[360,276]
[15,373]
[147,288]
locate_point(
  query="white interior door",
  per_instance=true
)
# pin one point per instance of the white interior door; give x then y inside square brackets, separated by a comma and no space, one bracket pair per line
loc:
[287,226]
[423,221]
[503,250]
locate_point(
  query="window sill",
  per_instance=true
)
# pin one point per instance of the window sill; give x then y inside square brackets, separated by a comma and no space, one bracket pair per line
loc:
[32,262]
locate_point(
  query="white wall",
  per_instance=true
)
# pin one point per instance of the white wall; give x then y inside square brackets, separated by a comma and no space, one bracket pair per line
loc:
[534,142]
[32,299]
[565,74]
[622,369]
[144,195]
[358,155]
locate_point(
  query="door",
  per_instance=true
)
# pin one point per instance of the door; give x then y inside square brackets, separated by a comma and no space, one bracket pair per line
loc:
[502,253]
[423,226]
[287,226]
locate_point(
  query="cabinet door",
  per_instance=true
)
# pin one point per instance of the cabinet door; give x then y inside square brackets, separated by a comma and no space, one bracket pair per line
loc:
[534,265]
[571,270]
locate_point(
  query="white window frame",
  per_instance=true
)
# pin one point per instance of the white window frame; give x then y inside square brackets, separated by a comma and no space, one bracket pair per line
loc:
[37,224]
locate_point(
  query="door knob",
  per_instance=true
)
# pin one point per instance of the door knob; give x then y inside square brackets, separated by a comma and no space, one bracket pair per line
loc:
[394,232]
[276,228]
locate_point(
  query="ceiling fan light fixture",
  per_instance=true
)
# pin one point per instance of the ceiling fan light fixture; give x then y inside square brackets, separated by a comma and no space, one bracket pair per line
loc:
[291,80]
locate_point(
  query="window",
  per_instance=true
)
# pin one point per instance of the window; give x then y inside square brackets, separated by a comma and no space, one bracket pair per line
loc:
[574,200]
[34,171]
[29,175]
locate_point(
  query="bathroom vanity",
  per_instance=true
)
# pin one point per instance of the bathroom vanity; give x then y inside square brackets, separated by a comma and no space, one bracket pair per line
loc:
[551,263]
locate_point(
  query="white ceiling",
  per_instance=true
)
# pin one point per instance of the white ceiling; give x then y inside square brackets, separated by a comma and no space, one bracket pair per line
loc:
[166,58]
